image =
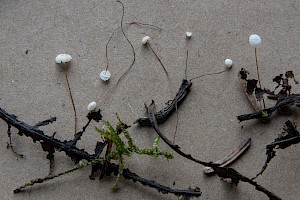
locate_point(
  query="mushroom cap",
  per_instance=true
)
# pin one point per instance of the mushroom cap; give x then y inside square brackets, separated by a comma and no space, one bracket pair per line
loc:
[92,106]
[254,40]
[188,34]
[63,58]
[207,169]
[228,62]
[145,39]
[105,75]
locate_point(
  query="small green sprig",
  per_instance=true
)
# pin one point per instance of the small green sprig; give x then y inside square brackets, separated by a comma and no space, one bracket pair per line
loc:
[112,134]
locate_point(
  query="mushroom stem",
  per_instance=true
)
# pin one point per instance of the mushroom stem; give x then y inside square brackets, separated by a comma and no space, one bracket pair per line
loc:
[71,97]
[257,71]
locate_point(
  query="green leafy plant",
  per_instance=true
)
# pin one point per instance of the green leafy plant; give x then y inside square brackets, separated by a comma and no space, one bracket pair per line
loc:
[113,135]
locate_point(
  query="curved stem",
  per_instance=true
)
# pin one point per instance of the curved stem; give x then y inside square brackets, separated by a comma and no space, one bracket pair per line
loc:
[73,104]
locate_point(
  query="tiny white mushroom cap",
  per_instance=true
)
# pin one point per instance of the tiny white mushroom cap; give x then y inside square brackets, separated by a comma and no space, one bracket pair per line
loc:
[92,106]
[254,40]
[105,75]
[207,169]
[228,62]
[63,58]
[145,39]
[188,34]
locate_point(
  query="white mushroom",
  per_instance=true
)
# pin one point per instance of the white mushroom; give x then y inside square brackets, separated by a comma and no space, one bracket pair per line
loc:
[254,40]
[92,106]
[105,75]
[188,34]
[145,39]
[207,169]
[63,58]
[228,62]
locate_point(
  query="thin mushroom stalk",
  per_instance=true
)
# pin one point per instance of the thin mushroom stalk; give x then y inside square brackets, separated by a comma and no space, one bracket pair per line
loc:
[72,100]
[64,61]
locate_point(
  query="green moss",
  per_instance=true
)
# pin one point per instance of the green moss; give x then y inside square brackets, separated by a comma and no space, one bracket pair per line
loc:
[113,134]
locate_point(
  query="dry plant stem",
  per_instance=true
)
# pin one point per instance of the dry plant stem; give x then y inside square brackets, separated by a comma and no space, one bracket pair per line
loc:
[71,97]
[256,61]
[133,51]
[186,64]
[130,23]
[208,74]
[133,61]
[106,48]
[47,178]
[176,127]
[144,24]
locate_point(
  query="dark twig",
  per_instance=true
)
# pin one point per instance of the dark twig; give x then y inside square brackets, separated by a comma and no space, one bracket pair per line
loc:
[167,111]
[161,188]
[221,171]
[38,135]
[290,136]
[236,177]
[45,122]
[78,154]
[286,101]
[176,148]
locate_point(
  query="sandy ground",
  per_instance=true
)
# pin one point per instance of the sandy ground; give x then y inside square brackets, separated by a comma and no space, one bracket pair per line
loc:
[33,87]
